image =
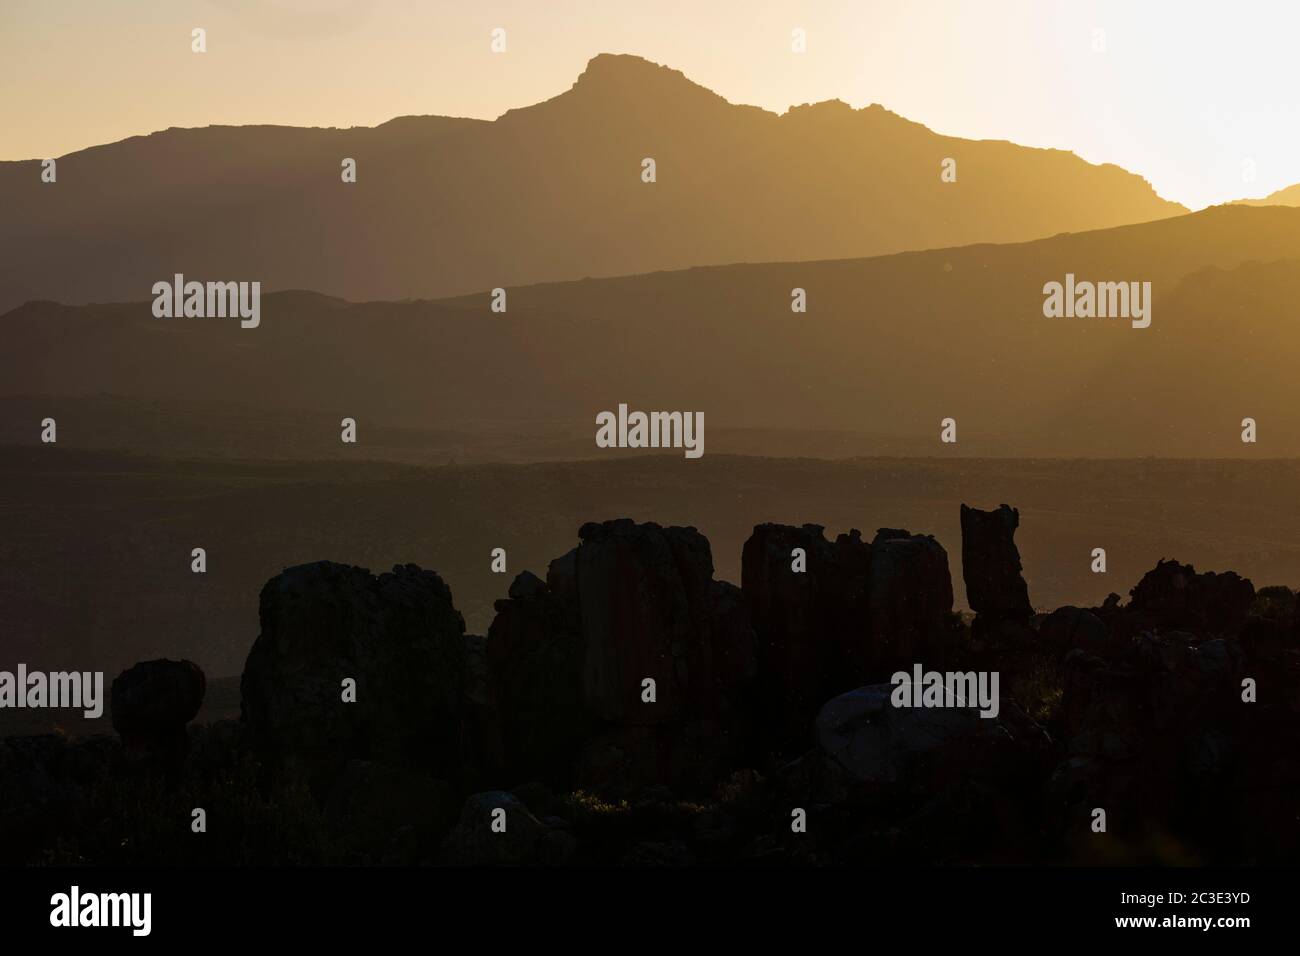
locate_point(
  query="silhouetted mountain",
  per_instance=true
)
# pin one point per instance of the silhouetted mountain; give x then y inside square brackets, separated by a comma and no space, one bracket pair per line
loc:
[889,347]
[445,206]
[1289,196]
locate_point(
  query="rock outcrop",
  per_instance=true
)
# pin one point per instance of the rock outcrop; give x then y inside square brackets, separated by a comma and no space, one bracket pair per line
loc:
[1174,596]
[990,563]
[398,636]
[1070,628]
[811,625]
[865,742]
[643,712]
[534,656]
[995,587]
[910,600]
[629,666]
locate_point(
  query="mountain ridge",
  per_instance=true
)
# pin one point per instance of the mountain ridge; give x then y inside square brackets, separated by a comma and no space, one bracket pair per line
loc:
[1286,196]
[444,206]
[971,318]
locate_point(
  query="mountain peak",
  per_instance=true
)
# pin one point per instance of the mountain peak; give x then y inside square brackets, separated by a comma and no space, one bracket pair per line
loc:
[605,66]
[625,85]
[623,73]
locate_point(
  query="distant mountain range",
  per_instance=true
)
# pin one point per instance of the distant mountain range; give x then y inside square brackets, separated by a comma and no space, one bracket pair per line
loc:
[889,346]
[1290,196]
[553,191]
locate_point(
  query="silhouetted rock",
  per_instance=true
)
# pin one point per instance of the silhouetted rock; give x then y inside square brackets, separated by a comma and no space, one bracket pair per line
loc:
[990,563]
[910,600]
[526,584]
[562,576]
[642,591]
[398,636]
[534,655]
[568,662]
[995,589]
[649,608]
[151,704]
[1069,628]
[1276,602]
[1174,596]
[1159,727]
[811,626]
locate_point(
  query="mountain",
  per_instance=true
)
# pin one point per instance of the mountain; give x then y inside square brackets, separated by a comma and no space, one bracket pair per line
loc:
[1290,196]
[889,347]
[447,206]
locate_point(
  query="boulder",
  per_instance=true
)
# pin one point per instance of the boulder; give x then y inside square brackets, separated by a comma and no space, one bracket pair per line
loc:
[1173,596]
[867,744]
[1074,628]
[151,703]
[397,635]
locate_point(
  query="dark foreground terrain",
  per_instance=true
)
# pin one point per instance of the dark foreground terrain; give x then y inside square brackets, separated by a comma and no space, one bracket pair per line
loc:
[629,707]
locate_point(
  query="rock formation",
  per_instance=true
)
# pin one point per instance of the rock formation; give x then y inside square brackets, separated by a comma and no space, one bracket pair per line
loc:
[811,626]
[910,600]
[151,704]
[990,562]
[397,635]
[571,657]
[1174,595]
[995,589]
[534,656]
[1068,628]
[631,708]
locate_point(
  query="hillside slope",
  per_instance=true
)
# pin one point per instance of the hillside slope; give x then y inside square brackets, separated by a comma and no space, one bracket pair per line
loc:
[889,347]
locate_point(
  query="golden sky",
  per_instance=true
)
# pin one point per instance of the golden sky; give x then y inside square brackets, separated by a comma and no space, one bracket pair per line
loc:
[1201,98]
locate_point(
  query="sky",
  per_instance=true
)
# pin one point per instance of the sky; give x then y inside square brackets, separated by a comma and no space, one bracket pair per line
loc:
[1200,98]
